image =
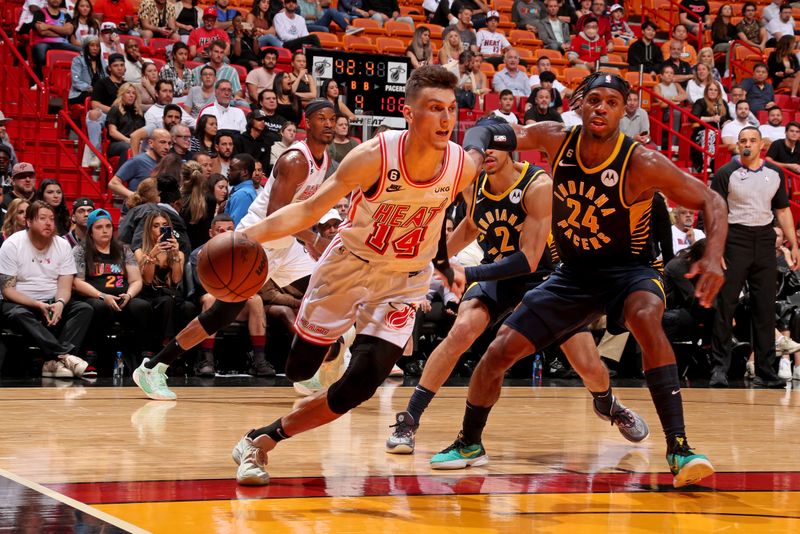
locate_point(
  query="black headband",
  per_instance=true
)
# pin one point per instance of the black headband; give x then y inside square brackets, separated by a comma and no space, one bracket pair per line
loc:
[612,81]
[317,105]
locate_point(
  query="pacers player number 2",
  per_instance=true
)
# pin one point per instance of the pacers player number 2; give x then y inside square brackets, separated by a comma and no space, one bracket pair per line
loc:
[503,233]
[404,246]
[589,220]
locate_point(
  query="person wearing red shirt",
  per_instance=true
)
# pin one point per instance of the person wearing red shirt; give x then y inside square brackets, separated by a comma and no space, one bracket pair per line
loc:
[201,37]
[120,12]
[598,12]
[588,46]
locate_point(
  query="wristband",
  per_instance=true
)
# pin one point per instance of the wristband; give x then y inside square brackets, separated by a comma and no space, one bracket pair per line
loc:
[509,267]
[62,301]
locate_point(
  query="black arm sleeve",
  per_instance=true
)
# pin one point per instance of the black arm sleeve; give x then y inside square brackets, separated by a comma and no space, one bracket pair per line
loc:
[491,133]
[442,261]
[662,228]
[509,267]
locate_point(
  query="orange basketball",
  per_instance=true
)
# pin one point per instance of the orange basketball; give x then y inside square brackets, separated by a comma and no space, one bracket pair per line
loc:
[231,267]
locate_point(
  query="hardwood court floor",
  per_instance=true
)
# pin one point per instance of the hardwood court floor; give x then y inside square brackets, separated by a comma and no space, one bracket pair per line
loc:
[555,467]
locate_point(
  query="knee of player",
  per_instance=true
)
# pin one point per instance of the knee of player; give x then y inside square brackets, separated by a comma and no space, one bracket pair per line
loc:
[644,316]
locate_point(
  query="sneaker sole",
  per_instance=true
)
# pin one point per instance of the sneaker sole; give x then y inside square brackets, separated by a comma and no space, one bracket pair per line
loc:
[154,396]
[252,481]
[462,464]
[62,373]
[693,472]
[400,449]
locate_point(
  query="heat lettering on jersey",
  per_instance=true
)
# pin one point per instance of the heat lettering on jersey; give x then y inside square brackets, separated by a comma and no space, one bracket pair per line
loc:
[389,219]
[307,192]
[585,206]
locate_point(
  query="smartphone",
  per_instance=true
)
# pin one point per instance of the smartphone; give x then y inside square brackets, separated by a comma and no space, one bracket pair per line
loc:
[166,233]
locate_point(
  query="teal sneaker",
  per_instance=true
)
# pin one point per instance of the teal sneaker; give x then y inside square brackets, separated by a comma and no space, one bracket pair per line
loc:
[460,455]
[687,466]
[153,381]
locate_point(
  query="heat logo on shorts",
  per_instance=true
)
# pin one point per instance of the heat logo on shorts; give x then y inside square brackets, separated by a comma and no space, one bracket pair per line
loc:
[398,319]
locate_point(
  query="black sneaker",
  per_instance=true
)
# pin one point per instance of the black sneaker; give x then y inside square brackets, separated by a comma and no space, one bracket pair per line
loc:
[205,364]
[261,367]
[769,383]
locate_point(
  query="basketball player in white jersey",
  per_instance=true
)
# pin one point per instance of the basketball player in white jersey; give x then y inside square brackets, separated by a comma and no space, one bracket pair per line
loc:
[297,174]
[378,267]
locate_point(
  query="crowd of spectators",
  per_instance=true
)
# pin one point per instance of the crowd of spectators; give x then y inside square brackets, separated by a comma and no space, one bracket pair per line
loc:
[192,140]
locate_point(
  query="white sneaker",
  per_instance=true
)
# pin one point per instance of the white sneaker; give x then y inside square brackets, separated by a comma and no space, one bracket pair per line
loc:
[56,369]
[750,369]
[77,366]
[785,369]
[796,374]
[153,381]
[352,30]
[785,346]
[252,463]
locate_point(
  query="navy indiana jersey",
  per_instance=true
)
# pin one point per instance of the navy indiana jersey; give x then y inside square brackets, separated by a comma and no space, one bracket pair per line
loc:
[592,224]
[499,218]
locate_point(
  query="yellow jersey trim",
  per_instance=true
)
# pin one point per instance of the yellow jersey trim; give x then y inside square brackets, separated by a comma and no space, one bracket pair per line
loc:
[606,163]
[505,193]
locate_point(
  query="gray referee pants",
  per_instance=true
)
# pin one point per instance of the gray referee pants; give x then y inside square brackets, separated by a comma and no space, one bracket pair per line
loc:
[750,257]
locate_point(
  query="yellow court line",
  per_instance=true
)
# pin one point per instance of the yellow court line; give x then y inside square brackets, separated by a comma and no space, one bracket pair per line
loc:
[85,508]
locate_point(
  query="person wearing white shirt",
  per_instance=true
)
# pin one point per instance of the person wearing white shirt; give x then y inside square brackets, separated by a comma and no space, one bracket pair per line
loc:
[683,235]
[291,27]
[228,117]
[492,43]
[737,94]
[506,110]
[781,25]
[774,129]
[772,11]
[730,132]
[154,116]
[571,118]
[543,64]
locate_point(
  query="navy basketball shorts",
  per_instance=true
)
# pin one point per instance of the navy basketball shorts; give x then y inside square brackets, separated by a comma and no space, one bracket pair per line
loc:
[501,296]
[571,299]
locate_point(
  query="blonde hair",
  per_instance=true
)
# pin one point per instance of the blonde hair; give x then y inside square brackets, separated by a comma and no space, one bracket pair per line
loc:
[137,103]
[10,222]
[193,187]
[146,193]
[709,52]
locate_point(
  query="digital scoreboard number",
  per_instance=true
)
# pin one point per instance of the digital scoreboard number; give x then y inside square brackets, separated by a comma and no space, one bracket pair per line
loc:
[374,84]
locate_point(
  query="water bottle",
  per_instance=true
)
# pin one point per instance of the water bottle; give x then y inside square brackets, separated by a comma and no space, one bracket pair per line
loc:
[537,370]
[119,368]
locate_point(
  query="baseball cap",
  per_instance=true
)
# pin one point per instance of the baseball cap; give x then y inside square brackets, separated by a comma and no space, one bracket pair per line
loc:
[258,115]
[81,203]
[113,58]
[3,118]
[616,7]
[330,216]
[210,12]
[108,27]
[97,215]
[22,167]
[492,15]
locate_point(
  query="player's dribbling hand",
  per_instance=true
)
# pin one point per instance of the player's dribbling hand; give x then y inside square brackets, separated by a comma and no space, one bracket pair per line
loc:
[459,279]
[710,279]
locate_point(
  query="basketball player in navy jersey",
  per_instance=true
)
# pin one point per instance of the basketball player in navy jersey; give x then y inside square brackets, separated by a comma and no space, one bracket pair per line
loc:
[603,187]
[297,174]
[508,211]
[378,267]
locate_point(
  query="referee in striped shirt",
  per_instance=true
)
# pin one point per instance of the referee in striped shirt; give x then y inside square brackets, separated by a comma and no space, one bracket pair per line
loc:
[753,190]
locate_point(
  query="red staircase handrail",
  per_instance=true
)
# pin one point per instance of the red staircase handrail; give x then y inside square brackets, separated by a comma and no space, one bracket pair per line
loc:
[707,157]
[83,141]
[653,14]
[733,62]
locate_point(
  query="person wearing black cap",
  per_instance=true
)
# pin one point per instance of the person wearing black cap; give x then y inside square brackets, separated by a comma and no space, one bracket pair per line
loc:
[104,92]
[602,199]
[255,140]
[297,175]
[81,208]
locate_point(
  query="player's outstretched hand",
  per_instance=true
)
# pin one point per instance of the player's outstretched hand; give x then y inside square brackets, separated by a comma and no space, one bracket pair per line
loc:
[710,279]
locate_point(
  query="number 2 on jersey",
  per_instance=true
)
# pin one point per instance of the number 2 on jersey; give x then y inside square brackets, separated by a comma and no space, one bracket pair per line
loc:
[588,220]
[405,246]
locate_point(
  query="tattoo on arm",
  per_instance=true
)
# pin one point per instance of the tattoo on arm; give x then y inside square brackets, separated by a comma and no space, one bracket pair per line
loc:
[6,280]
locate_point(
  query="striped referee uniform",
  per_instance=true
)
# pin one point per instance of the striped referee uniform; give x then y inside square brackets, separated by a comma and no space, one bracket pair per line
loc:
[751,195]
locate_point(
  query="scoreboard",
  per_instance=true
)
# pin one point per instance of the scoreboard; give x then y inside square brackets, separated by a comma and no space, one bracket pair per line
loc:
[374,84]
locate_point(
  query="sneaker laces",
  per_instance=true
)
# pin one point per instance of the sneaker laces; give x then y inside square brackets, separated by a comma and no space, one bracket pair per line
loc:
[459,443]
[680,446]
[402,430]
[158,379]
[623,418]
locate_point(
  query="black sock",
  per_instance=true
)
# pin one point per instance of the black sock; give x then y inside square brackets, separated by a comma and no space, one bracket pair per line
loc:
[603,400]
[167,355]
[418,402]
[474,421]
[665,389]
[274,431]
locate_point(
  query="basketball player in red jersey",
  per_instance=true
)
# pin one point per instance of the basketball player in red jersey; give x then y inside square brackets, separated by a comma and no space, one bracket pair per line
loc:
[297,174]
[378,267]
[603,188]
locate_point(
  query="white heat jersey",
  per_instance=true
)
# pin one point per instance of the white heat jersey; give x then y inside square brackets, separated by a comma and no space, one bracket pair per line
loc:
[258,209]
[397,222]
